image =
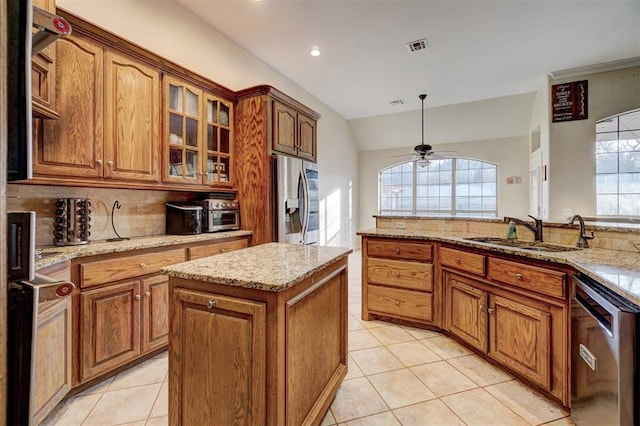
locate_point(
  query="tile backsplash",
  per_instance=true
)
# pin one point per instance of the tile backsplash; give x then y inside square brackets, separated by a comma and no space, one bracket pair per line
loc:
[142,212]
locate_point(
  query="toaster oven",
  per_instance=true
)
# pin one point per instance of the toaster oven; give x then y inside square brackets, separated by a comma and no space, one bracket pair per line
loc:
[220,215]
[183,218]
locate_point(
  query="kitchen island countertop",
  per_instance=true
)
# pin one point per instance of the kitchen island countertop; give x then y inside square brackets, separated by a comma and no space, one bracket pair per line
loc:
[617,270]
[272,266]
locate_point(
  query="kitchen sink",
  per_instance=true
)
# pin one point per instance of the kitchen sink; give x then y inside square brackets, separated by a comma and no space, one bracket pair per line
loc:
[523,245]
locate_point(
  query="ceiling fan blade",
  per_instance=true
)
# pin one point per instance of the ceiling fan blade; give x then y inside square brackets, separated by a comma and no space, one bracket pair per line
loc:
[445,152]
[433,156]
[402,155]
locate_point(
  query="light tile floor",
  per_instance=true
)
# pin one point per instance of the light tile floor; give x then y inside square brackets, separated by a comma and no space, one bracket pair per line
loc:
[397,376]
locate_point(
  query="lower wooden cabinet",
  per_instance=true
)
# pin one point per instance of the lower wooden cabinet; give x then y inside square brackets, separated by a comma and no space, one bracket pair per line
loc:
[155,313]
[53,354]
[222,351]
[524,335]
[109,327]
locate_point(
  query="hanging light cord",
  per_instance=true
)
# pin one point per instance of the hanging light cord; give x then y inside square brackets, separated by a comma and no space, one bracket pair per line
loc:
[422,97]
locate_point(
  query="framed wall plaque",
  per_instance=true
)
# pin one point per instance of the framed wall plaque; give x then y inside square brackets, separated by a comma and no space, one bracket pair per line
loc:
[569,101]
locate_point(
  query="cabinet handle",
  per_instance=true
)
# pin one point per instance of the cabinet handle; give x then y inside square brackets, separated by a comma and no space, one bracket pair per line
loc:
[110,163]
[138,297]
[224,250]
[482,307]
[142,265]
[490,310]
[397,303]
[147,293]
[519,277]
[99,163]
[211,304]
[397,251]
[398,274]
[457,260]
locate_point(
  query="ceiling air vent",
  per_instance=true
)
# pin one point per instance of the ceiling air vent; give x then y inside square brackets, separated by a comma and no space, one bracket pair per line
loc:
[418,45]
[396,102]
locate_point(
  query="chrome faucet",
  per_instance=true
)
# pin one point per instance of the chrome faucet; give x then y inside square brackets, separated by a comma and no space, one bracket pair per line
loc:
[536,228]
[582,237]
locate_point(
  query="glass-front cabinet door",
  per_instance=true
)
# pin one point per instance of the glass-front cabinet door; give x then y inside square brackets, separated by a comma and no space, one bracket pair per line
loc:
[183,131]
[218,119]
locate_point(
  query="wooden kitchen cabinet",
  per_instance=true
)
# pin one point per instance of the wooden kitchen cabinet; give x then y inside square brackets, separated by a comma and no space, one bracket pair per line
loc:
[155,313]
[198,135]
[43,81]
[110,122]
[267,122]
[517,314]
[218,247]
[293,132]
[72,146]
[109,327]
[402,289]
[222,351]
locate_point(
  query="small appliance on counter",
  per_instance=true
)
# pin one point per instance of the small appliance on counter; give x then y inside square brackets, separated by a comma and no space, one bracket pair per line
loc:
[183,218]
[71,224]
[221,214]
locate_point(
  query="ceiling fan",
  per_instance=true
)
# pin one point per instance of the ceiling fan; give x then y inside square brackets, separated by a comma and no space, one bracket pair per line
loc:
[424,153]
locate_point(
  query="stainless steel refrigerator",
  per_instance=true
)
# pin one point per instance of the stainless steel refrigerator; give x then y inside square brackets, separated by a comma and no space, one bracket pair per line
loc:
[297,209]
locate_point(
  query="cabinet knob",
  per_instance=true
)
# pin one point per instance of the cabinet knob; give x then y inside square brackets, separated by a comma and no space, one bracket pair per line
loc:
[211,304]
[398,274]
[138,297]
[147,293]
[110,163]
[490,310]
[457,260]
[142,265]
[99,163]
[397,303]
[519,277]
[224,250]
[397,251]
[482,307]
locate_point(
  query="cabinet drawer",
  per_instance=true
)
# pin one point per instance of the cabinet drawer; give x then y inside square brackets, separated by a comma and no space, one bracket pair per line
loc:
[400,250]
[216,248]
[110,270]
[398,273]
[532,278]
[462,260]
[400,303]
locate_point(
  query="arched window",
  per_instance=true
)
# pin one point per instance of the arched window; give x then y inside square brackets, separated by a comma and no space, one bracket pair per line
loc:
[449,187]
[618,165]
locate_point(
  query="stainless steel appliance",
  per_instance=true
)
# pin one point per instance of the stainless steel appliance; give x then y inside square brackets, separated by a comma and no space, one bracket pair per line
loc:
[220,214]
[22,43]
[183,218]
[296,206]
[25,293]
[72,222]
[604,357]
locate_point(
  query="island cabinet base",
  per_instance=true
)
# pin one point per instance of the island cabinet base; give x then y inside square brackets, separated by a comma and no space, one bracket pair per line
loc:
[257,357]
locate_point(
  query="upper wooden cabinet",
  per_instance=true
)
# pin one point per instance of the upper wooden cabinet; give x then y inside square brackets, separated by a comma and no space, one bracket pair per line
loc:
[110,121]
[43,87]
[198,135]
[293,132]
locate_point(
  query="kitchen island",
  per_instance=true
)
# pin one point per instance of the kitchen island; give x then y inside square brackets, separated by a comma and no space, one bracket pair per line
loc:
[258,336]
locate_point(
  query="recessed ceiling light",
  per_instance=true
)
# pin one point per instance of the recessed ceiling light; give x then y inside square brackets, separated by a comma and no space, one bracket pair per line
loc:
[315,51]
[396,102]
[418,45]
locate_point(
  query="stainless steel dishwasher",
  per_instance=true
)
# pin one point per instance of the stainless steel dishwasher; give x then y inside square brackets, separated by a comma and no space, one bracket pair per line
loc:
[604,357]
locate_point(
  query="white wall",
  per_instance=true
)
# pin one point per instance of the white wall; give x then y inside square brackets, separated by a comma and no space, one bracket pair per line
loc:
[510,154]
[168,30]
[572,143]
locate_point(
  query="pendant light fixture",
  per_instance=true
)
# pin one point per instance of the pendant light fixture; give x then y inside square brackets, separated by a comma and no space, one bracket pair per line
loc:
[422,149]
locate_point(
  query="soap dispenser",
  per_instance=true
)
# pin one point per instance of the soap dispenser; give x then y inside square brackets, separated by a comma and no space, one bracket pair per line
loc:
[511,233]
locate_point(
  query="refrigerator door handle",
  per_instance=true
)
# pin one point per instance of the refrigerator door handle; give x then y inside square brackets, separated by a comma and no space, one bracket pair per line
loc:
[303,193]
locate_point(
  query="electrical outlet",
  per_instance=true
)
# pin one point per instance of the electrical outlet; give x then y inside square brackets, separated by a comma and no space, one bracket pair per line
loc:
[401,225]
[567,213]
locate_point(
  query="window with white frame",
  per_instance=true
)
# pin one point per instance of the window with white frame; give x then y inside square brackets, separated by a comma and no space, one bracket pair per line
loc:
[618,165]
[449,187]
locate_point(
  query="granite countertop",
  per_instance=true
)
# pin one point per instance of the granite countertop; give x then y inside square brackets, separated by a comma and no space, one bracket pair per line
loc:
[617,270]
[272,266]
[103,247]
